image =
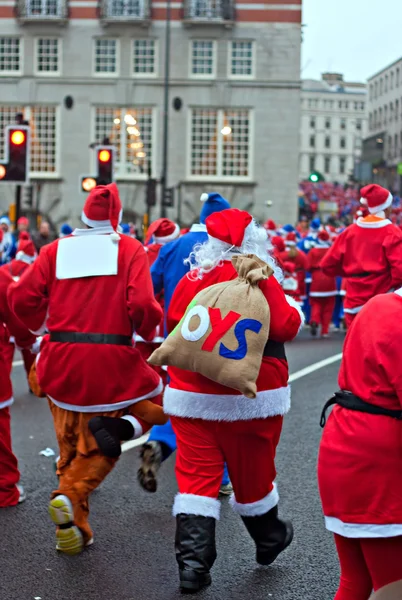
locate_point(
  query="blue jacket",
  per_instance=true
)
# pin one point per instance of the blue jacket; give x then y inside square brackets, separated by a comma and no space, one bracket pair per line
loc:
[9,247]
[169,267]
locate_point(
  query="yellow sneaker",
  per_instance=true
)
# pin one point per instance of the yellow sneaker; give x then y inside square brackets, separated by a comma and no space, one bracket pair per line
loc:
[68,536]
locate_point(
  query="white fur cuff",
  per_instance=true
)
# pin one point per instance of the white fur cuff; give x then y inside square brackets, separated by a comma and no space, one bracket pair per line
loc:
[292,302]
[191,504]
[136,424]
[255,509]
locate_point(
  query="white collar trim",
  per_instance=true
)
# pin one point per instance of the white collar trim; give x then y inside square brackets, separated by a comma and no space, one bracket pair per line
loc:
[372,224]
[198,227]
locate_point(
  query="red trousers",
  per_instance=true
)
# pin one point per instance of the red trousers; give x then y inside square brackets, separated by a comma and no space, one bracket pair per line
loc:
[321,312]
[247,447]
[9,474]
[349,318]
[367,564]
[27,356]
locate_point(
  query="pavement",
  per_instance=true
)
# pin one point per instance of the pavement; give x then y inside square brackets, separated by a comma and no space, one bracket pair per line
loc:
[133,556]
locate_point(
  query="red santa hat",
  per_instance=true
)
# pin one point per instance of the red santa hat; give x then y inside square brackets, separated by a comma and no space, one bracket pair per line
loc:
[270,226]
[291,239]
[26,251]
[229,226]
[278,243]
[376,198]
[163,231]
[103,207]
[323,238]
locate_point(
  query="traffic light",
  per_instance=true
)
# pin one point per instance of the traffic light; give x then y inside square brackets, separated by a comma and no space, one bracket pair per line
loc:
[104,169]
[315,177]
[15,167]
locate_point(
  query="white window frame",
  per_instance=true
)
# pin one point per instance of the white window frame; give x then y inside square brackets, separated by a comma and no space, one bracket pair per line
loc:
[214,59]
[44,174]
[103,73]
[59,56]
[20,72]
[221,178]
[156,59]
[253,60]
[120,175]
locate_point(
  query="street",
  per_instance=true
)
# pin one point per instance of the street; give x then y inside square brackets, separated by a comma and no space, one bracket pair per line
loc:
[133,556]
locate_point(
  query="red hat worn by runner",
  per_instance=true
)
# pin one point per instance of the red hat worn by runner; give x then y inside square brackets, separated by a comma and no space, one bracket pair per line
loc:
[376,198]
[229,226]
[26,251]
[103,207]
[278,243]
[163,231]
[291,239]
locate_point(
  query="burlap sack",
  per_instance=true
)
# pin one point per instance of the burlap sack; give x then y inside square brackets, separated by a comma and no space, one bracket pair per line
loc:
[224,330]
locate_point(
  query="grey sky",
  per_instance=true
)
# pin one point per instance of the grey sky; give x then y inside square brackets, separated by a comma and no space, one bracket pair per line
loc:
[353,37]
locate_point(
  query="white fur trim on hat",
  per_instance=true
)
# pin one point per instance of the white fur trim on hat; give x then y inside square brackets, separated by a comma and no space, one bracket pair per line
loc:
[204,197]
[168,238]
[93,223]
[25,258]
[383,206]
[192,504]
[255,509]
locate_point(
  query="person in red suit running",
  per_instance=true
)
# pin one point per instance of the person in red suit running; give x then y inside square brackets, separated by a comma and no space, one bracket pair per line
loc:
[368,253]
[360,458]
[296,256]
[323,287]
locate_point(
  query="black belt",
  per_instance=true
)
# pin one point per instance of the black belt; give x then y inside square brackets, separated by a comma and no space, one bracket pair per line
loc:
[359,275]
[352,402]
[274,350]
[72,337]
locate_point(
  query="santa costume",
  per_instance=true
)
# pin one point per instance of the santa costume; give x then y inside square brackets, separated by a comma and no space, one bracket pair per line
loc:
[11,493]
[271,228]
[323,289]
[172,264]
[290,283]
[215,424]
[26,254]
[360,459]
[293,254]
[91,291]
[368,253]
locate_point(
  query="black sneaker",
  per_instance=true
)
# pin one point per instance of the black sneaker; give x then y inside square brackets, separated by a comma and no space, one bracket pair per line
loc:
[313,328]
[192,582]
[151,458]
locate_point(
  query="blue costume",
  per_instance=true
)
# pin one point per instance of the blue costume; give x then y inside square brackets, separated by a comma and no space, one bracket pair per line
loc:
[9,242]
[166,273]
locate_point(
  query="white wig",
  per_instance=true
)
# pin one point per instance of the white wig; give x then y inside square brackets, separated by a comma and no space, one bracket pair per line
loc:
[206,257]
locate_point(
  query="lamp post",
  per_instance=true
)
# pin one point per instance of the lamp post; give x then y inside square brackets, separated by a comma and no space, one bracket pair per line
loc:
[166,109]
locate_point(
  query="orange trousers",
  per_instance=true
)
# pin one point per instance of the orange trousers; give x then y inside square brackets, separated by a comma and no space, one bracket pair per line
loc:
[81,466]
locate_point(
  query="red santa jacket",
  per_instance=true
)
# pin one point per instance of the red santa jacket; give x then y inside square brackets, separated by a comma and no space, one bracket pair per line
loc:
[360,460]
[299,259]
[290,283]
[192,395]
[322,285]
[82,376]
[9,325]
[15,268]
[369,255]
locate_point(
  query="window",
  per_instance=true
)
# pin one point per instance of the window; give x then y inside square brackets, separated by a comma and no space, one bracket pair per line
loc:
[220,143]
[386,84]
[327,164]
[370,122]
[144,57]
[44,8]
[391,111]
[203,58]
[43,135]
[376,89]
[390,146]
[362,106]
[375,119]
[10,56]
[343,142]
[343,123]
[371,92]
[397,76]
[396,144]
[327,123]
[342,164]
[312,163]
[385,114]
[131,131]
[346,104]
[105,57]
[359,124]
[312,141]
[392,81]
[328,142]
[242,59]
[48,56]
[125,8]
[340,104]
[312,122]
[379,117]
[381,86]
[396,110]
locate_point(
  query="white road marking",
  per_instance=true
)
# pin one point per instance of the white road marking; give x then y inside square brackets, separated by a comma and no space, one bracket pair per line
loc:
[293,377]
[315,367]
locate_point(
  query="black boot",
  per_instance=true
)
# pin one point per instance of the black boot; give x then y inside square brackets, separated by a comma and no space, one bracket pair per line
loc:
[313,328]
[195,551]
[109,432]
[270,534]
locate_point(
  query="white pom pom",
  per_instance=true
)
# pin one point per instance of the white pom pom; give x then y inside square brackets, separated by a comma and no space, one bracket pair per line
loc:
[207,264]
[115,237]
[363,201]
[204,197]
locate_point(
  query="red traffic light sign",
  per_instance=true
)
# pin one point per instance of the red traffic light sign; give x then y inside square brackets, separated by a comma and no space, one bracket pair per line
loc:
[104,156]
[104,169]
[15,167]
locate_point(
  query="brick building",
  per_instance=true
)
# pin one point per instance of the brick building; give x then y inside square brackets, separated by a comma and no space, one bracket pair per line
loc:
[234,66]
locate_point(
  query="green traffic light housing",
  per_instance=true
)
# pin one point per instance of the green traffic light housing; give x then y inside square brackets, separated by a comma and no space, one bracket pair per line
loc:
[316,176]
